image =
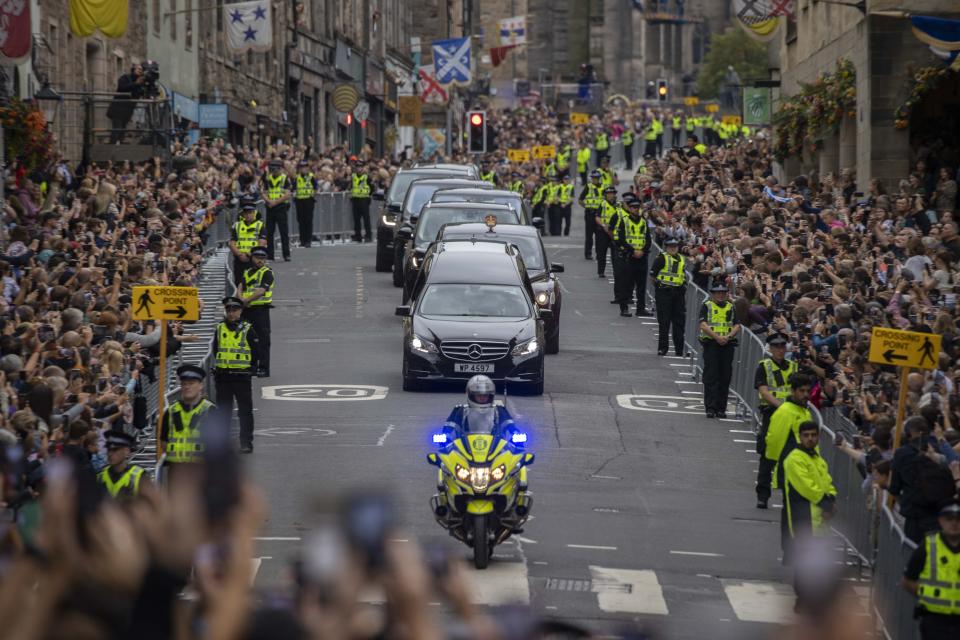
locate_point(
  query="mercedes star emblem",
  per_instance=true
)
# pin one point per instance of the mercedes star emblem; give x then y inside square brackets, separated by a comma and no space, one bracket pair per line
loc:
[474,351]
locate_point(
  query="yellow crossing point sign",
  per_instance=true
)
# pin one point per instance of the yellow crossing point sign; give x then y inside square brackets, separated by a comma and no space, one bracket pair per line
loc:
[545,152]
[734,120]
[691,101]
[904,348]
[579,118]
[712,108]
[518,155]
[166,303]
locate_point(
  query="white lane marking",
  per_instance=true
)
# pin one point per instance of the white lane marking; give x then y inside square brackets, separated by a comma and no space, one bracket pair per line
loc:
[606,477]
[577,312]
[730,420]
[500,584]
[650,323]
[524,540]
[750,450]
[550,608]
[675,358]
[386,433]
[692,393]
[746,441]
[255,562]
[277,539]
[679,364]
[760,601]
[309,340]
[686,382]
[540,563]
[684,373]
[644,595]
[591,546]
[739,431]
[704,554]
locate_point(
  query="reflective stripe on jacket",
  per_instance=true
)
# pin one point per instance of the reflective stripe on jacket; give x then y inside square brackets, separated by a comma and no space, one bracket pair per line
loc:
[233,348]
[939,590]
[184,443]
[672,274]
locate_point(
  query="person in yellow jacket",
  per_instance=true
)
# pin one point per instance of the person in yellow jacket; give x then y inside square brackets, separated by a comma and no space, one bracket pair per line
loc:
[783,431]
[121,480]
[583,159]
[933,575]
[809,497]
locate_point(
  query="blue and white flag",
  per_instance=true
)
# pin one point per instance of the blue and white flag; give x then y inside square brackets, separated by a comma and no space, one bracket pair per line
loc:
[249,26]
[513,31]
[451,60]
[943,36]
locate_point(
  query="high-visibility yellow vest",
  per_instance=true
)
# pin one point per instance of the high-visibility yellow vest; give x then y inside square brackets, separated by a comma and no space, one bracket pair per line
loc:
[361,186]
[745,131]
[305,186]
[805,475]
[719,319]
[635,232]
[541,193]
[609,214]
[248,235]
[602,143]
[550,170]
[700,147]
[127,486]
[563,159]
[566,194]
[234,350]
[275,186]
[583,157]
[516,186]
[593,197]
[784,426]
[489,176]
[184,443]
[672,274]
[606,178]
[252,280]
[675,122]
[939,590]
[658,126]
[778,379]
[627,137]
[691,124]
[723,131]
[553,191]
[651,133]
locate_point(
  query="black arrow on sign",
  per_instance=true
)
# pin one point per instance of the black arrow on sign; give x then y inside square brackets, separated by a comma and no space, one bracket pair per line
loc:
[890,356]
[179,311]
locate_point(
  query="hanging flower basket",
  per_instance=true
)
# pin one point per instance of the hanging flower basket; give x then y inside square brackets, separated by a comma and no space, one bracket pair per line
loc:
[919,82]
[26,137]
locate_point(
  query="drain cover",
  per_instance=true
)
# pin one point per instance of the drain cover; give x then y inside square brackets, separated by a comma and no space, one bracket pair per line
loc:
[567,584]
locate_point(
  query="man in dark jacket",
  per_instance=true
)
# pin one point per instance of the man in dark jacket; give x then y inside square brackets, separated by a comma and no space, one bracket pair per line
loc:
[910,472]
[129,89]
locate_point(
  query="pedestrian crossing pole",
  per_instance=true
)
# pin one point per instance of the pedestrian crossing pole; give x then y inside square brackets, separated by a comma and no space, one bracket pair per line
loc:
[164,383]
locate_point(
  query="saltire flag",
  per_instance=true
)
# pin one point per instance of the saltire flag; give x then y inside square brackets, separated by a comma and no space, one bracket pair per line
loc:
[249,26]
[451,61]
[782,8]
[499,54]
[431,92]
[513,31]
[943,36]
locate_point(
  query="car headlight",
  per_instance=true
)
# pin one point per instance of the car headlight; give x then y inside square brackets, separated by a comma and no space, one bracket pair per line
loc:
[527,348]
[386,220]
[462,474]
[543,298]
[498,473]
[415,262]
[423,346]
[480,478]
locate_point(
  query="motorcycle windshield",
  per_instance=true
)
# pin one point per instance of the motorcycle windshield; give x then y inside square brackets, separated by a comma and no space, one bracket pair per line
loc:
[479,421]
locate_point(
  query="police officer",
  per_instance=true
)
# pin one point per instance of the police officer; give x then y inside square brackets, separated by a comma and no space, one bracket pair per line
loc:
[246,234]
[360,197]
[590,199]
[565,202]
[554,212]
[601,145]
[539,200]
[772,382]
[121,479]
[676,127]
[236,349]
[669,276]
[276,186]
[550,170]
[607,177]
[632,236]
[659,128]
[181,423]
[627,139]
[933,575]
[563,160]
[608,217]
[718,334]
[517,185]
[650,139]
[583,159]
[256,291]
[304,201]
[487,174]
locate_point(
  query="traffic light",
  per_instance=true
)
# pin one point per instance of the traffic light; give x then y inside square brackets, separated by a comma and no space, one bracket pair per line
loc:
[663,93]
[477,131]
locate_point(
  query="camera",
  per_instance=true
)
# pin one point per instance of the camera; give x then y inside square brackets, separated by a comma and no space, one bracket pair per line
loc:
[151,73]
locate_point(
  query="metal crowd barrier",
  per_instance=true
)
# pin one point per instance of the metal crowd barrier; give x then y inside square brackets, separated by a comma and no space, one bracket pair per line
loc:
[332,217]
[892,605]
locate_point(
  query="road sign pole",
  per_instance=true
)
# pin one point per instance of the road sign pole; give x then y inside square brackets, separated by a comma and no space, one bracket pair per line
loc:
[163,380]
[901,411]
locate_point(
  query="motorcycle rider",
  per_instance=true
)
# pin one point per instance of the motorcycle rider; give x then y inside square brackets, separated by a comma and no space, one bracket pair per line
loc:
[480,414]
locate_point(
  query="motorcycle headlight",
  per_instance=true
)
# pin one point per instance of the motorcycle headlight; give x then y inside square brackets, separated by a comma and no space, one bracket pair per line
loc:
[423,346]
[480,478]
[527,348]
[388,221]
[462,473]
[543,298]
[498,473]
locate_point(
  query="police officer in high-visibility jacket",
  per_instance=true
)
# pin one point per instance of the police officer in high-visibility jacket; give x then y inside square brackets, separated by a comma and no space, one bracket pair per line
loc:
[601,145]
[554,214]
[120,479]
[933,575]
[256,291]
[360,198]
[487,174]
[772,382]
[607,177]
[659,128]
[246,234]
[809,497]
[676,128]
[718,335]
[590,199]
[627,138]
[516,184]
[669,275]
[650,139]
[236,353]
[563,159]
[608,217]
[583,159]
[539,199]
[183,421]
[277,193]
[304,201]
[565,202]
[632,238]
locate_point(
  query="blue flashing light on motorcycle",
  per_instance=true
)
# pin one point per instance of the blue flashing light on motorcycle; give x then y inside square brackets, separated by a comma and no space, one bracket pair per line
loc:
[518,438]
[439,438]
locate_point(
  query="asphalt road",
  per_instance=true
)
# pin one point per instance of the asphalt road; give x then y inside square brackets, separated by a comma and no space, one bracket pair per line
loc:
[644,509]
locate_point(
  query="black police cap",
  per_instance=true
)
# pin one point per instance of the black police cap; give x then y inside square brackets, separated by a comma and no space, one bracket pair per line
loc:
[671,242]
[116,438]
[232,301]
[776,339]
[719,287]
[190,372]
[610,189]
[259,252]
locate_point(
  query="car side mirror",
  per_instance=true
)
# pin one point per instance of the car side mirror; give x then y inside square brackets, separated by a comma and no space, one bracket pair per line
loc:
[413,219]
[405,232]
[556,267]
[403,310]
[546,314]
[527,460]
[434,459]
[537,222]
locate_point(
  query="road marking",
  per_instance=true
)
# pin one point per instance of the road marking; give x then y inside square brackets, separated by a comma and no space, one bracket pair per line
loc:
[309,340]
[386,433]
[295,431]
[686,382]
[746,441]
[540,563]
[693,393]
[577,312]
[760,601]
[660,404]
[730,420]
[550,608]
[255,562]
[523,540]
[628,591]
[704,554]
[325,392]
[739,431]
[591,547]
[277,539]
[675,358]
[606,477]
[750,450]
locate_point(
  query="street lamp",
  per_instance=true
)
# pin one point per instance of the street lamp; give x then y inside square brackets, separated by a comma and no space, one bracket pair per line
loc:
[49,101]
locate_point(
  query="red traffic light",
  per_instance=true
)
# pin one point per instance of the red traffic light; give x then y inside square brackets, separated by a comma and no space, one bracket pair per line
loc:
[476,119]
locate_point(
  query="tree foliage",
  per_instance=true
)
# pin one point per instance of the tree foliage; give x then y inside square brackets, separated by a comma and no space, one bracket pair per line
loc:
[731,48]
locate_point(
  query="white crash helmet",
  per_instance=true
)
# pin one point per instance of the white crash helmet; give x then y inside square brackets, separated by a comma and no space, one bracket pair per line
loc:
[480,392]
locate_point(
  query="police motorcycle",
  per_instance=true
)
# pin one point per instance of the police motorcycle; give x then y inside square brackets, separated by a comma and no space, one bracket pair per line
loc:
[481,461]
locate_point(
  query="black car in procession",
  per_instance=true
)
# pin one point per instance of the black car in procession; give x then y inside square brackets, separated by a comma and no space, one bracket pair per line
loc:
[432,218]
[387,222]
[474,313]
[548,293]
[418,194]
[493,196]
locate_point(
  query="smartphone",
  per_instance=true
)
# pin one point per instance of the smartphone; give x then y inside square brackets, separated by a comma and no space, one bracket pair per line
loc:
[829,309]
[221,470]
[368,518]
[823,314]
